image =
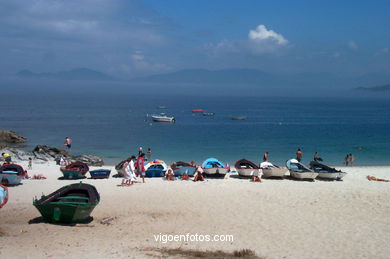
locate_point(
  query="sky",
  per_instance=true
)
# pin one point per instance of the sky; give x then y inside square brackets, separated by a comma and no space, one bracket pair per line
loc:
[129,38]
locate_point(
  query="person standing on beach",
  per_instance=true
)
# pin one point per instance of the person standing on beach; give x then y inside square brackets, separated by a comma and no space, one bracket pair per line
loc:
[68,144]
[141,166]
[140,151]
[149,154]
[265,157]
[128,172]
[29,163]
[346,159]
[351,159]
[299,155]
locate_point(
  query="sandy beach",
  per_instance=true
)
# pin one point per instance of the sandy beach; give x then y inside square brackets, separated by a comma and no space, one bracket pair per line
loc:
[275,218]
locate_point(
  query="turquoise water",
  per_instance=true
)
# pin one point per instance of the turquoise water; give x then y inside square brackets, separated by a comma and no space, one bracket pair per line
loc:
[114,126]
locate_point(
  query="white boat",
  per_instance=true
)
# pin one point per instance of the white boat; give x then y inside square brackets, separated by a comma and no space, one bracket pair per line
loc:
[271,170]
[213,166]
[246,168]
[299,171]
[326,172]
[163,118]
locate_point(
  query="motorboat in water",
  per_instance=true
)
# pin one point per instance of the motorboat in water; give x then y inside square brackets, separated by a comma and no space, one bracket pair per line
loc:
[238,118]
[247,168]
[179,168]
[272,170]
[12,174]
[197,111]
[75,170]
[299,171]
[3,195]
[213,166]
[208,113]
[163,118]
[327,172]
[155,168]
[69,204]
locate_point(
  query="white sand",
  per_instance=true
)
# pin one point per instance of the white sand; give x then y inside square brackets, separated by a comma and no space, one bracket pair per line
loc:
[276,218]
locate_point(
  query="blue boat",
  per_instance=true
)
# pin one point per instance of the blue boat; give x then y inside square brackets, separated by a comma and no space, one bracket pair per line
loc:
[100,173]
[155,168]
[179,168]
[11,174]
[3,195]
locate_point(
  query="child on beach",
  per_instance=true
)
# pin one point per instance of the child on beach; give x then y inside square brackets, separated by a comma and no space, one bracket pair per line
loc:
[30,163]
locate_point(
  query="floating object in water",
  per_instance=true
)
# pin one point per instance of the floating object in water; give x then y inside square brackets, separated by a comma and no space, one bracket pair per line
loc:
[163,118]
[69,204]
[238,118]
[208,113]
[197,111]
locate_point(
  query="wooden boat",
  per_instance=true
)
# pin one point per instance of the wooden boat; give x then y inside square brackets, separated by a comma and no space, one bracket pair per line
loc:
[3,195]
[271,170]
[155,168]
[163,118]
[100,173]
[11,174]
[246,168]
[179,168]
[75,170]
[299,171]
[69,204]
[213,166]
[326,172]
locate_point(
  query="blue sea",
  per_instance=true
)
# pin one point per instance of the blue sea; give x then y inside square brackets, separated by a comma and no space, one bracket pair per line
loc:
[113,126]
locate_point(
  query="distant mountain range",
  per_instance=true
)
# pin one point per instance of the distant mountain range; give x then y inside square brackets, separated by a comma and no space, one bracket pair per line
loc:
[381,88]
[74,74]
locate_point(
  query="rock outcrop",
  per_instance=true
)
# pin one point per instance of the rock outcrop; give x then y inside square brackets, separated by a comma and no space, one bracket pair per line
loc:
[90,160]
[9,136]
[48,153]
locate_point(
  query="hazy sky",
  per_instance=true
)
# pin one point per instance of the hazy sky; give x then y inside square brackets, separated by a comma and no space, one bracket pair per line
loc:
[133,38]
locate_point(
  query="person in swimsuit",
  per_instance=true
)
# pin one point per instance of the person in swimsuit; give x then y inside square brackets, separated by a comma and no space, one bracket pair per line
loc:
[141,166]
[68,144]
[299,155]
[265,157]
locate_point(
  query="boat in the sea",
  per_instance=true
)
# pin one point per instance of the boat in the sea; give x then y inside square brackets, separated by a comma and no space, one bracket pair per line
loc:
[75,170]
[299,171]
[155,168]
[247,168]
[100,173]
[208,113]
[238,118]
[11,174]
[161,107]
[327,172]
[272,170]
[197,111]
[213,166]
[69,204]
[3,195]
[179,168]
[163,118]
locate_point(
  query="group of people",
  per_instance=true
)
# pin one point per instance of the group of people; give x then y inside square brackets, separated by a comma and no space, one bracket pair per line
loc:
[349,159]
[132,168]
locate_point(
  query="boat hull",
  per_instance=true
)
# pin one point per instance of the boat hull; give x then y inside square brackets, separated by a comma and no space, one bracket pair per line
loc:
[100,173]
[215,171]
[10,178]
[303,175]
[189,170]
[3,195]
[247,172]
[274,172]
[65,213]
[73,174]
[332,175]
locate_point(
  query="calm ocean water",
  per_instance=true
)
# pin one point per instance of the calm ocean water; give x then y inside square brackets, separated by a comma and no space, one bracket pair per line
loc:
[114,126]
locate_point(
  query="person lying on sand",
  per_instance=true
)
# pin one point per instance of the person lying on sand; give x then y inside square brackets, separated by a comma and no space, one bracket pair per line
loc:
[185,177]
[38,177]
[198,176]
[170,176]
[373,178]
[255,178]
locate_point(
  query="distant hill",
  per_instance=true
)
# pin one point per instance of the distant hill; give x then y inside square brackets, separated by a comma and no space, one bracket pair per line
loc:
[74,74]
[381,88]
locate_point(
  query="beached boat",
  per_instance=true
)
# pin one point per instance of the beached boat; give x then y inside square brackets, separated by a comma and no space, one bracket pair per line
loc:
[75,170]
[163,118]
[326,172]
[100,173]
[155,168]
[69,204]
[11,174]
[3,195]
[238,118]
[179,168]
[271,170]
[213,166]
[299,171]
[247,168]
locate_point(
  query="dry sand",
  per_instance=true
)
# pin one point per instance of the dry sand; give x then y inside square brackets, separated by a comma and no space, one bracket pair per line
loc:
[276,218]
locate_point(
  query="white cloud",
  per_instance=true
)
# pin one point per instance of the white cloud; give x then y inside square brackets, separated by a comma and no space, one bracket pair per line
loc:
[261,34]
[383,51]
[352,45]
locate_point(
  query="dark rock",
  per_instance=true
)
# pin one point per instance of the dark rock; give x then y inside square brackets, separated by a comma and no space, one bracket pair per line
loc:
[90,160]
[8,136]
[48,153]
